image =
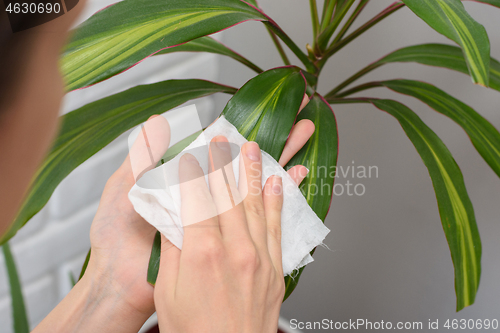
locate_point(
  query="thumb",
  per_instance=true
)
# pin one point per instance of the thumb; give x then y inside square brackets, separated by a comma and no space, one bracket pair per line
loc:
[169,265]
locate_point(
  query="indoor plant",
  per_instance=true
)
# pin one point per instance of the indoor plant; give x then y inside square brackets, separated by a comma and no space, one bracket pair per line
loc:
[124,34]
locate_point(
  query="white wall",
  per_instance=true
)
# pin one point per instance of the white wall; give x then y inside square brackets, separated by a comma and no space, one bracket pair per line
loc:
[389,258]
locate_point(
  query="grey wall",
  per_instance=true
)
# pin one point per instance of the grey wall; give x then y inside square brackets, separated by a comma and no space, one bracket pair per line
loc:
[389,258]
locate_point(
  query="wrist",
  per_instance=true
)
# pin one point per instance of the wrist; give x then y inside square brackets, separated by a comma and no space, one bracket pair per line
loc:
[94,305]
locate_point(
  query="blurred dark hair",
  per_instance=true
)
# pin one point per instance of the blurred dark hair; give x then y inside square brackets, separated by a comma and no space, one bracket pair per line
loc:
[14,50]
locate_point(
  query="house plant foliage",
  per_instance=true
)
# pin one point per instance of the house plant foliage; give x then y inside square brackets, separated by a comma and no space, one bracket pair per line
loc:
[265,108]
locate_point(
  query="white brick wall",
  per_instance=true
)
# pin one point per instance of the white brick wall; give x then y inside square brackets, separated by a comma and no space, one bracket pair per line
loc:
[54,243]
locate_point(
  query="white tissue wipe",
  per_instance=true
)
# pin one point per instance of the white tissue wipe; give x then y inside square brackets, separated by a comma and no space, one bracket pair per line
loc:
[157,199]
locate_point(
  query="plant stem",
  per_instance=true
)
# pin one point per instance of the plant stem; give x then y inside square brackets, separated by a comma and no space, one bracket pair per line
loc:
[314,19]
[349,100]
[293,47]
[340,44]
[351,20]
[278,46]
[327,13]
[327,33]
[359,88]
[353,78]
[19,315]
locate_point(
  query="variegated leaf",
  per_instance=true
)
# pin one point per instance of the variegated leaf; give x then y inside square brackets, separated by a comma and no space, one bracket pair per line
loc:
[483,134]
[450,18]
[319,155]
[119,36]
[264,109]
[90,128]
[455,207]
[208,44]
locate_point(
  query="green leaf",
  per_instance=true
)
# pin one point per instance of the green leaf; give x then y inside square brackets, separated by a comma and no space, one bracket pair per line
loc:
[154,260]
[177,148]
[484,136]
[440,55]
[253,2]
[18,309]
[455,207]
[450,18]
[120,36]
[90,128]
[264,109]
[495,3]
[85,264]
[208,44]
[319,155]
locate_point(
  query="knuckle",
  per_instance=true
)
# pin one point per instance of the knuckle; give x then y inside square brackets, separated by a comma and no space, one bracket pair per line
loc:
[255,208]
[275,232]
[247,258]
[212,250]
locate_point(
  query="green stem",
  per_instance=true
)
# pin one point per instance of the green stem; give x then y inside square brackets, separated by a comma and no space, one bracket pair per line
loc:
[20,318]
[293,47]
[359,88]
[334,48]
[84,266]
[351,20]
[353,78]
[314,18]
[327,13]
[278,46]
[327,33]
[349,100]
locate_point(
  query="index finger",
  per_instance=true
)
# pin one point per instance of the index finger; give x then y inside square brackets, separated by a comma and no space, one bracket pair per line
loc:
[198,211]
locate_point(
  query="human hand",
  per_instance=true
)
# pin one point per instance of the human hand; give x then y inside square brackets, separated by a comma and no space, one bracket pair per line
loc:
[113,295]
[121,239]
[228,276]
[114,290]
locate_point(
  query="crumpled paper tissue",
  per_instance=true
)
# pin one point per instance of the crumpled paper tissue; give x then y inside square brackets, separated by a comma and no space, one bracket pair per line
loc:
[156,197]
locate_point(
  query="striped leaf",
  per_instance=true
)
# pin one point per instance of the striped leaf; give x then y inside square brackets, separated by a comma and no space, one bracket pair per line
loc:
[208,44]
[495,3]
[154,260]
[90,128]
[319,155]
[119,36]
[85,264]
[439,55]
[19,315]
[450,18]
[264,109]
[455,207]
[484,136]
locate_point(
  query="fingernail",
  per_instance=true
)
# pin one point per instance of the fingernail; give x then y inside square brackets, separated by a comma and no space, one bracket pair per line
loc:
[190,159]
[221,142]
[252,151]
[277,181]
